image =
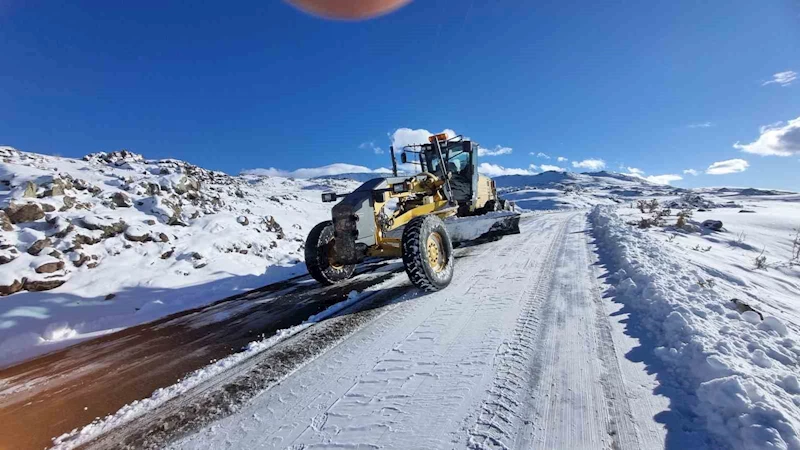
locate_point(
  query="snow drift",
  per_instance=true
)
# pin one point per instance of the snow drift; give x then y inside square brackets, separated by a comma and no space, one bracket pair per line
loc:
[736,373]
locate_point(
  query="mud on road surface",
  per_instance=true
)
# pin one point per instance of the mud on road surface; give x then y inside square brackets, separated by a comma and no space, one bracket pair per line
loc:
[58,392]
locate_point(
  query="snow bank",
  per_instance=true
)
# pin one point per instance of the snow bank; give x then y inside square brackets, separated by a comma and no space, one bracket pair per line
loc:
[737,376]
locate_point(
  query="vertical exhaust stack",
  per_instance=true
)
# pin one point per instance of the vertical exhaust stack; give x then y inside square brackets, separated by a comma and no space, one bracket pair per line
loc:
[394,161]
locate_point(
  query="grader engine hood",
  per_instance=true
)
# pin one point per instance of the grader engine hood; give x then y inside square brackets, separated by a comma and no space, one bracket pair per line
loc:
[354,221]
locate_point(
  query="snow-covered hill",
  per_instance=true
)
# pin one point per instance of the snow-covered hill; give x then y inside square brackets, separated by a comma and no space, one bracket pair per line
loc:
[111,240]
[569,190]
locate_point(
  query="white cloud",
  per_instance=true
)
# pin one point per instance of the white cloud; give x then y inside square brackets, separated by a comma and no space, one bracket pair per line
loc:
[331,169]
[635,171]
[540,155]
[371,145]
[548,167]
[728,166]
[691,172]
[591,164]
[663,179]
[778,139]
[782,78]
[562,159]
[494,170]
[498,150]
[406,136]
[701,125]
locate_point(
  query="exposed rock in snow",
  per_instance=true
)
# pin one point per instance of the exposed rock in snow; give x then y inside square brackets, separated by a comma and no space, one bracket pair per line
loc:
[37,246]
[120,199]
[5,222]
[10,286]
[24,212]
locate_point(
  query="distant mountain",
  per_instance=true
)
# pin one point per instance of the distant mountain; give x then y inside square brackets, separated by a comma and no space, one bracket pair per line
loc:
[548,178]
[619,176]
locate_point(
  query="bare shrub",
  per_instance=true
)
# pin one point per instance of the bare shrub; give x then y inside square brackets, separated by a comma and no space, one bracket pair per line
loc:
[646,222]
[683,217]
[795,248]
[647,206]
[707,284]
[761,261]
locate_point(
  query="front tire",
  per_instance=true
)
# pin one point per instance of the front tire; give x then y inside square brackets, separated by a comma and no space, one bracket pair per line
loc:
[319,261]
[428,253]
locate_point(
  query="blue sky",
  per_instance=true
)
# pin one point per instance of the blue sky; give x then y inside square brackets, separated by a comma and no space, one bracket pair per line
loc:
[259,84]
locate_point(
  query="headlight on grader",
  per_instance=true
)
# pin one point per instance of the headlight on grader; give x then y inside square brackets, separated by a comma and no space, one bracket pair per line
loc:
[328,197]
[398,188]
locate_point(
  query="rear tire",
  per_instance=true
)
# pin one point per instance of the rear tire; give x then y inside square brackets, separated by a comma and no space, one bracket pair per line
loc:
[428,253]
[505,205]
[318,259]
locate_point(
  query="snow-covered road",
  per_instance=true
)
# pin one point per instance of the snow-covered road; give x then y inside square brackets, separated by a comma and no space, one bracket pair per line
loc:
[517,353]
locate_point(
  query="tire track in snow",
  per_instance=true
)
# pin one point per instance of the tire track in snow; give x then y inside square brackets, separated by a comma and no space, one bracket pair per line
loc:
[558,382]
[502,411]
[431,368]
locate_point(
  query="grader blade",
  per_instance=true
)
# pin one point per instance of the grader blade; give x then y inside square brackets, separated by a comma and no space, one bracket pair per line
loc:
[495,224]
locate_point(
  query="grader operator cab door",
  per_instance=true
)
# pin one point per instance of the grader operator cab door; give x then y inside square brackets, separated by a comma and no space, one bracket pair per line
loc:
[461,164]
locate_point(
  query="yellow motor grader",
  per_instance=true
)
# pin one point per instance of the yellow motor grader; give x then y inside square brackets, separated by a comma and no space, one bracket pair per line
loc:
[409,216]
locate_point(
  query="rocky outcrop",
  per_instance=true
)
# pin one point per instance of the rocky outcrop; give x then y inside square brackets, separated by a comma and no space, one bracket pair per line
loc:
[86,206]
[186,184]
[25,212]
[272,225]
[29,191]
[121,200]
[42,285]
[10,288]
[5,222]
[38,246]
[50,267]
[8,255]
[69,202]
[138,234]
[79,259]
[106,225]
